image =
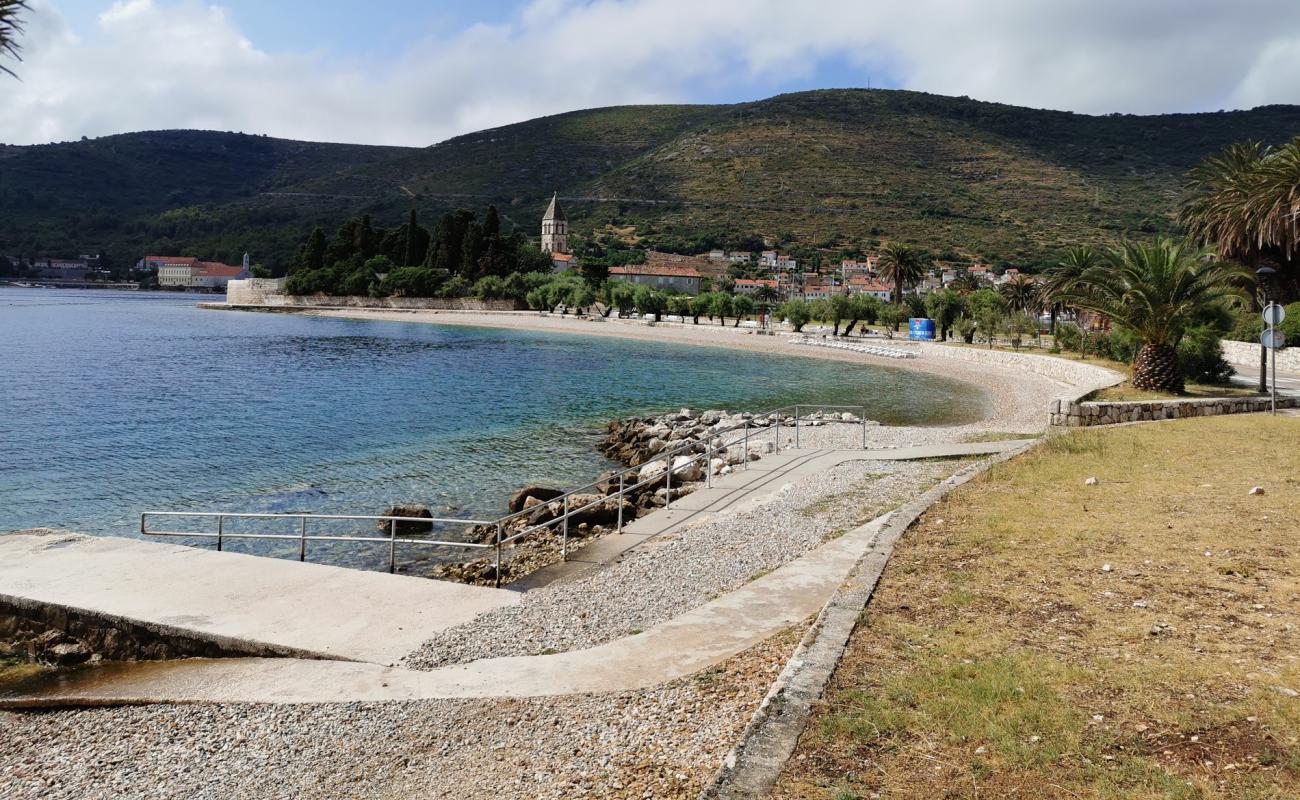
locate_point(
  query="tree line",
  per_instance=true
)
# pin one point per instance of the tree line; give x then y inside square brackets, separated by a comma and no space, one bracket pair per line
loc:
[411,260]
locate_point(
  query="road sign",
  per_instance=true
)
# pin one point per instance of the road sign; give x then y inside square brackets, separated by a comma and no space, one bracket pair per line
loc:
[1273,340]
[1274,314]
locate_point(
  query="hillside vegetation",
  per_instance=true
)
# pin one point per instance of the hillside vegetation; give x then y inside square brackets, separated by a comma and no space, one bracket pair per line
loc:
[832,168]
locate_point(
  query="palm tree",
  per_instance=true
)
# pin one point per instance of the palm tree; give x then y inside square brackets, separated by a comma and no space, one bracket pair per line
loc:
[10,26]
[1021,294]
[1245,202]
[1061,278]
[1156,290]
[900,264]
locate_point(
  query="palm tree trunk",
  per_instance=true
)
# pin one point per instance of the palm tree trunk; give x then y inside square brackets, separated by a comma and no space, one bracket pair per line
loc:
[1156,369]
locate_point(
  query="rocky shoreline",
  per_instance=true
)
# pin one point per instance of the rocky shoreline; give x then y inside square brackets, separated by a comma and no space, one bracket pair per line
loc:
[648,442]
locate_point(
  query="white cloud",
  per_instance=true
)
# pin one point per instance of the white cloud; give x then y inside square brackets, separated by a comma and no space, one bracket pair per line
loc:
[166,64]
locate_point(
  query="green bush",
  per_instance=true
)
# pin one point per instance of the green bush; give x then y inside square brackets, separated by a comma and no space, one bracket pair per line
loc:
[1291,325]
[1201,355]
[1068,336]
[413,282]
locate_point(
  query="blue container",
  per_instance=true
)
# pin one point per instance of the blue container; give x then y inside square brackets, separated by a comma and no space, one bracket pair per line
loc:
[921,329]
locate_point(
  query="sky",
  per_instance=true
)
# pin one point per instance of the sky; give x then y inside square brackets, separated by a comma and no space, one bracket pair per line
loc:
[415,72]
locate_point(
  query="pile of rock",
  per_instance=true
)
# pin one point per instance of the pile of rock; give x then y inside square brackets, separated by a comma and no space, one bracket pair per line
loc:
[650,443]
[31,641]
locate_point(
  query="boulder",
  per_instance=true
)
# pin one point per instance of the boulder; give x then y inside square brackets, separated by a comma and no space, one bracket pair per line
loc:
[412,510]
[651,471]
[686,469]
[710,417]
[519,500]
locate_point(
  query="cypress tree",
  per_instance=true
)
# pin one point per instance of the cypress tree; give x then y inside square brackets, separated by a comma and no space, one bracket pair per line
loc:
[313,253]
[365,239]
[417,242]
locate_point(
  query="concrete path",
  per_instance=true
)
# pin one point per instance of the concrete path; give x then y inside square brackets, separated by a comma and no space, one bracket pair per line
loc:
[247,603]
[742,488]
[370,620]
[689,643]
[1288,383]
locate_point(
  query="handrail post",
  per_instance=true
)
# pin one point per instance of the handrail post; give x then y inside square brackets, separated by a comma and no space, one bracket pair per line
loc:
[747,445]
[564,543]
[498,568]
[708,465]
[302,539]
[796,426]
[221,524]
[776,449]
[392,546]
[864,427]
[668,487]
[620,502]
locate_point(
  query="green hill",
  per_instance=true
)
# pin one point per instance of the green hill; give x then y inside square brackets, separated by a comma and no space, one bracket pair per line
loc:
[831,168]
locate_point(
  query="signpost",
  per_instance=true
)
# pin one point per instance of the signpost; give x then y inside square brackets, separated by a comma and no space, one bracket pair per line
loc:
[1274,341]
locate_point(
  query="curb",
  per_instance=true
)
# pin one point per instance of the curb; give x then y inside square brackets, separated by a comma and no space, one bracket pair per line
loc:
[753,765]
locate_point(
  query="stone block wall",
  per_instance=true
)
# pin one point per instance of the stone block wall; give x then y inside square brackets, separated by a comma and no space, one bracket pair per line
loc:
[264,293]
[1246,354]
[1069,414]
[1088,377]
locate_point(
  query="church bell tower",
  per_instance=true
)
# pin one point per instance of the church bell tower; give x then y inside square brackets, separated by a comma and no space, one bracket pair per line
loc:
[555,228]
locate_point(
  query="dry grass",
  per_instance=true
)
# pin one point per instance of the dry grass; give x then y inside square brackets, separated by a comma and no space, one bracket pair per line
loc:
[1037,637]
[1125,392]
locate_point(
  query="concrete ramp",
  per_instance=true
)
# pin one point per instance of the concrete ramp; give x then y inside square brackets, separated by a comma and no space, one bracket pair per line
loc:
[244,603]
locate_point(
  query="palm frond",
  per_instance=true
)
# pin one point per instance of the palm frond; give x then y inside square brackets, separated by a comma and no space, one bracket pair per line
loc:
[11,25]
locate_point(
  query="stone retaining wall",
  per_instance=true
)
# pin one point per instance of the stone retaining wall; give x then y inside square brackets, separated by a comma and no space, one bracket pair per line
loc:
[268,294]
[1087,377]
[1069,414]
[1246,354]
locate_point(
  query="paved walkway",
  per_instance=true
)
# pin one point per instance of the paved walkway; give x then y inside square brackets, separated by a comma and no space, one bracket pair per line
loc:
[743,488]
[248,604]
[691,642]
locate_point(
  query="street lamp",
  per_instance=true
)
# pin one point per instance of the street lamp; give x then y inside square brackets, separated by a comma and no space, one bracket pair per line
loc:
[1264,278]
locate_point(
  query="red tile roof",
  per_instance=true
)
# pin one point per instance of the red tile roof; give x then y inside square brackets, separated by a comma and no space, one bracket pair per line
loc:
[661,270]
[178,261]
[214,269]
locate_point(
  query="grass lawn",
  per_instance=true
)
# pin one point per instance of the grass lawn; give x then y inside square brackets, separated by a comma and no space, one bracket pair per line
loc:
[1036,637]
[1191,391]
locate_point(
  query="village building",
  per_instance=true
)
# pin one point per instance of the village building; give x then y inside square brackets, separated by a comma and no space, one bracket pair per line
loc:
[751,288]
[861,285]
[679,278]
[191,274]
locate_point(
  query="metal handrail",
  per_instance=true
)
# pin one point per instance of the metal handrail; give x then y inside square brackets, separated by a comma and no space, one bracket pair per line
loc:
[748,428]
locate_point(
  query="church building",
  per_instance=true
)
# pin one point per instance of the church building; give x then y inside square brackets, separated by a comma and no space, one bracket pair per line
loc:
[555,236]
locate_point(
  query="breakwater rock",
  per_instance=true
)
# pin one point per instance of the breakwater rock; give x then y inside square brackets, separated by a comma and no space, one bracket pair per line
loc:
[671,453]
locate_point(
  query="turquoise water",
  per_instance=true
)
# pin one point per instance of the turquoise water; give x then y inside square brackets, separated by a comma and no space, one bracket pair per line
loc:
[116,403]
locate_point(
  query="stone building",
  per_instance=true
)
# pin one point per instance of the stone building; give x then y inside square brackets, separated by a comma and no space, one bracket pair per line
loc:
[555,229]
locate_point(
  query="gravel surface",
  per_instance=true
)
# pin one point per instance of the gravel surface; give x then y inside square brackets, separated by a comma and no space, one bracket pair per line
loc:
[683,569]
[659,743]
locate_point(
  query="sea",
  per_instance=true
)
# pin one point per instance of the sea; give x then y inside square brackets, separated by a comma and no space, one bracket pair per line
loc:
[115,403]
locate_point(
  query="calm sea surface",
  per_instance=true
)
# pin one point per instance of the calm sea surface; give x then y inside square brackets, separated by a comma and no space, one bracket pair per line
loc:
[113,403]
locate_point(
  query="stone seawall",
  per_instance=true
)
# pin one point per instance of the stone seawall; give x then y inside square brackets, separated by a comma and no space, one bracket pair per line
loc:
[1069,414]
[268,294]
[1246,354]
[1087,378]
